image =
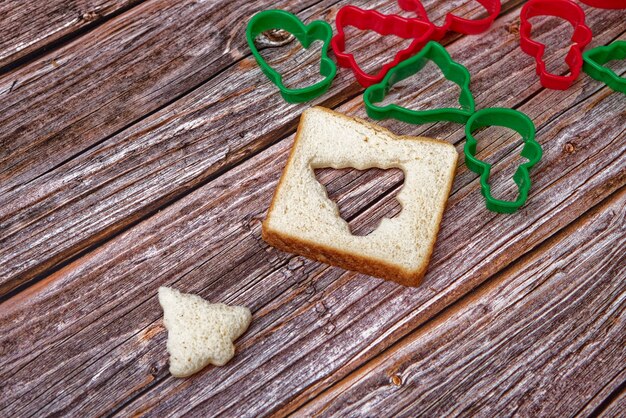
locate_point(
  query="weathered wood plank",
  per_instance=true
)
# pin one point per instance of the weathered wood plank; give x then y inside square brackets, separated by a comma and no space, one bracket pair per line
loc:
[70,100]
[153,54]
[300,298]
[159,159]
[111,336]
[28,26]
[176,75]
[249,257]
[539,339]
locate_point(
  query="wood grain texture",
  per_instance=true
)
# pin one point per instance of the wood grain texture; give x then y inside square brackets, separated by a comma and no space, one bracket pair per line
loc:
[138,170]
[110,341]
[540,339]
[100,348]
[607,399]
[70,100]
[203,49]
[30,25]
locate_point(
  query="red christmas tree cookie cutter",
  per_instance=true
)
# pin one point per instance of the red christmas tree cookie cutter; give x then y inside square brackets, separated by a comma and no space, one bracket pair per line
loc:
[454,23]
[567,10]
[419,31]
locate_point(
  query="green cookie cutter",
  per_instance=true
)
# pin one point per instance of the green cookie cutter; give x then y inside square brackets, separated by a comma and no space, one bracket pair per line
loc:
[594,61]
[518,122]
[315,31]
[452,71]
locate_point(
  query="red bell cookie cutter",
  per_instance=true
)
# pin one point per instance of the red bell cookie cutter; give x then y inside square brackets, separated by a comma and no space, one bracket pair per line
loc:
[421,32]
[567,10]
[606,4]
[454,23]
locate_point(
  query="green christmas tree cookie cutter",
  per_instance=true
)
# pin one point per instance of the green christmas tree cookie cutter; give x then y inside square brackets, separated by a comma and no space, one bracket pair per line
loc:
[594,61]
[315,31]
[452,71]
[518,122]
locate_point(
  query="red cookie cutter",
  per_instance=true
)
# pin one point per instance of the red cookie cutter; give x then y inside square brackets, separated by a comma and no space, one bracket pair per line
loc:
[567,10]
[421,32]
[606,4]
[454,23]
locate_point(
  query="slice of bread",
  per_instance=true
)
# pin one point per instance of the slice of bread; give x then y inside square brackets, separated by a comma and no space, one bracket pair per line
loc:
[199,332]
[302,220]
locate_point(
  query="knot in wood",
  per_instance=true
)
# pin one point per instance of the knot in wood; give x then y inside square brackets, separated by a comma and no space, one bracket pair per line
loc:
[513,27]
[274,38]
[295,263]
[569,148]
[396,380]
[90,16]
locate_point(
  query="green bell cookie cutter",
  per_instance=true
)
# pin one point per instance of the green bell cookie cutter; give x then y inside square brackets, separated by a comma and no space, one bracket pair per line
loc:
[452,71]
[315,31]
[596,58]
[518,122]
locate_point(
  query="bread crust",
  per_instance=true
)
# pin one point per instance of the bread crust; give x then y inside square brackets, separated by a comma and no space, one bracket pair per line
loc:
[343,259]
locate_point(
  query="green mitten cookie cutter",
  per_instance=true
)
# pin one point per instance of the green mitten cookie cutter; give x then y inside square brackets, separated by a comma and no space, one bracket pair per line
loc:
[594,61]
[519,122]
[315,31]
[452,71]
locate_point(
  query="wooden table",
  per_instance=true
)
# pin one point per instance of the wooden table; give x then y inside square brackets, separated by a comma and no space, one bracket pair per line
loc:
[140,146]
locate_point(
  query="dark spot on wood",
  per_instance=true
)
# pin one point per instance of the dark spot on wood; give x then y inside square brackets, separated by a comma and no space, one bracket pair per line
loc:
[310,290]
[396,380]
[254,225]
[569,148]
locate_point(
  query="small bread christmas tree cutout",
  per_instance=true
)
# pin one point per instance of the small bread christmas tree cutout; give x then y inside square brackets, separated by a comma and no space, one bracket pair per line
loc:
[200,333]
